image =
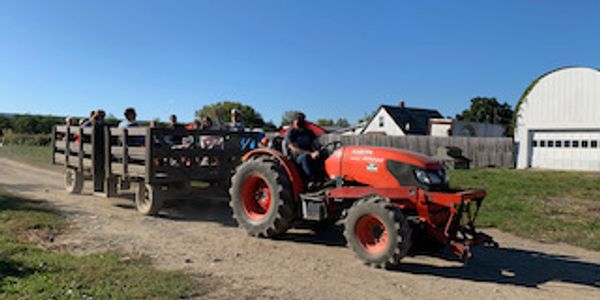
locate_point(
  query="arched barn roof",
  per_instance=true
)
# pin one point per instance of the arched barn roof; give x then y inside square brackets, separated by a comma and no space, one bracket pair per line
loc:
[535,82]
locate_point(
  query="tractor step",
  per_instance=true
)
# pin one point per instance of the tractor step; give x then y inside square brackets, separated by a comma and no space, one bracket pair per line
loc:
[314,207]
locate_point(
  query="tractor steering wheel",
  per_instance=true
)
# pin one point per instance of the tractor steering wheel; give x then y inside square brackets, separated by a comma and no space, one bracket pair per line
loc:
[329,148]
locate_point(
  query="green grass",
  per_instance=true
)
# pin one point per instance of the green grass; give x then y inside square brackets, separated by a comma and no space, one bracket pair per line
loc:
[541,205]
[29,272]
[39,156]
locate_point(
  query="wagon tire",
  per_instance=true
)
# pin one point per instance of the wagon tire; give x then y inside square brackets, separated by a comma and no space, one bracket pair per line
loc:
[148,199]
[261,198]
[73,181]
[378,232]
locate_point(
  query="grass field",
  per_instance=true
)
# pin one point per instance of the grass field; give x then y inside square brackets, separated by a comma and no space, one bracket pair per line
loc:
[36,155]
[29,272]
[540,205]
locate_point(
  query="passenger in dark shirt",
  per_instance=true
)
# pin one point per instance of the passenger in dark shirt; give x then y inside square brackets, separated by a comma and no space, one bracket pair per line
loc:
[301,143]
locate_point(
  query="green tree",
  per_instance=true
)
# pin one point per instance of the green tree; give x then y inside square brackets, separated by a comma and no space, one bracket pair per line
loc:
[489,110]
[342,122]
[324,122]
[250,116]
[25,124]
[111,120]
[270,126]
[5,122]
[367,116]
[288,117]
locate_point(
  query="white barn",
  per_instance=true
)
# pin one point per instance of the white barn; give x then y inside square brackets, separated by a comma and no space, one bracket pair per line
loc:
[558,121]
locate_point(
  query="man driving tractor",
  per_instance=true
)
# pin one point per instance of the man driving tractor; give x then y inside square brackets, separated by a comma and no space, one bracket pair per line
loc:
[302,143]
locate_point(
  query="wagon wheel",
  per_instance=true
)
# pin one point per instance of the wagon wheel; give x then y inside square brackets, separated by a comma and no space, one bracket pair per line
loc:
[148,199]
[378,232]
[73,181]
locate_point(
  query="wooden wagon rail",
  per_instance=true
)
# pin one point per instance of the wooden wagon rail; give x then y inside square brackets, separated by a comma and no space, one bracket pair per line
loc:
[155,156]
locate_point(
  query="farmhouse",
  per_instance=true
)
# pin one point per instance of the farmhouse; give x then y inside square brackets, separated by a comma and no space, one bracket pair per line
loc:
[558,121]
[400,120]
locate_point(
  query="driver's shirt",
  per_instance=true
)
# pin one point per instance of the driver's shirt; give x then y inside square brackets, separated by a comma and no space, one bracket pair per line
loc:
[304,138]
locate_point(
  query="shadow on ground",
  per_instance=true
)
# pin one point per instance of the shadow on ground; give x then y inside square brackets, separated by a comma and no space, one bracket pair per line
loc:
[11,268]
[515,267]
[15,203]
[207,209]
[508,266]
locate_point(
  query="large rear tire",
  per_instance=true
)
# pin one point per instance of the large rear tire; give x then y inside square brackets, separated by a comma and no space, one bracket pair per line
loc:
[73,181]
[148,199]
[261,198]
[378,232]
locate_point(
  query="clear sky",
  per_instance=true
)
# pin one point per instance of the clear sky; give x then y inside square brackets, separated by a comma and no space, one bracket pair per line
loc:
[330,59]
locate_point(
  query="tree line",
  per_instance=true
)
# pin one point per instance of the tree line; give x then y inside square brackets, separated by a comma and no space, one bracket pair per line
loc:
[481,109]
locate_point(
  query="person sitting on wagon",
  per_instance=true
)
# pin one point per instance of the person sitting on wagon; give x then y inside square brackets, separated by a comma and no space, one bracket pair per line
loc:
[301,143]
[236,124]
[87,122]
[209,141]
[176,138]
[130,118]
[129,122]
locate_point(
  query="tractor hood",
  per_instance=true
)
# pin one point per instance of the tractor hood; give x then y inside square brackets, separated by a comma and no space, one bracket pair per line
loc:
[378,167]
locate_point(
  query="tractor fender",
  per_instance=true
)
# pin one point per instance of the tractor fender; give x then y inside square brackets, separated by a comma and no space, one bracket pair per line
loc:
[290,168]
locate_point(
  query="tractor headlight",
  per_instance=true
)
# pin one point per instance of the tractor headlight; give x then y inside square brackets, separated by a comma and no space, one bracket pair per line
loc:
[422,176]
[431,177]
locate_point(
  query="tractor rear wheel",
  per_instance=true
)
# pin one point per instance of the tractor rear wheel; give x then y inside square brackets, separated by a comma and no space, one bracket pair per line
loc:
[73,181]
[261,198]
[148,199]
[378,232]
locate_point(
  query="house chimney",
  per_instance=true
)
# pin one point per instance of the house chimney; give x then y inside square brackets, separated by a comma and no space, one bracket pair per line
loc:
[401,104]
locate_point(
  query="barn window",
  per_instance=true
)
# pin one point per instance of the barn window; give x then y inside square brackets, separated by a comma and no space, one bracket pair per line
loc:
[567,144]
[558,144]
[381,120]
[594,144]
[584,144]
[542,144]
[575,144]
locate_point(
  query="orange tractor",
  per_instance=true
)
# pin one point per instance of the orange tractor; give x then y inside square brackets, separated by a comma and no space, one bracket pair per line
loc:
[387,199]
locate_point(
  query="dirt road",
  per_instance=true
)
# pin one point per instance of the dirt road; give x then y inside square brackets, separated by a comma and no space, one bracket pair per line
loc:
[199,236]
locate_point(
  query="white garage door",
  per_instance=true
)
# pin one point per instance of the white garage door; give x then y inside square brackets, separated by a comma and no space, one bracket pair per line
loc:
[566,150]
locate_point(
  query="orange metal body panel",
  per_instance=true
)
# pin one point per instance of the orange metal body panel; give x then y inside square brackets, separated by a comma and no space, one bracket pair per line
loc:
[367,165]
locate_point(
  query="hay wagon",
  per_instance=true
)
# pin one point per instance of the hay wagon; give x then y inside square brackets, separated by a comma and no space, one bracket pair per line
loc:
[158,163]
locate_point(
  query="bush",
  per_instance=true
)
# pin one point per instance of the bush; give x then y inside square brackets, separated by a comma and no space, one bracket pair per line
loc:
[27,139]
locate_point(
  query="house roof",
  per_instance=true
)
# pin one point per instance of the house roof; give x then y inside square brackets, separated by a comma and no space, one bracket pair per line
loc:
[416,118]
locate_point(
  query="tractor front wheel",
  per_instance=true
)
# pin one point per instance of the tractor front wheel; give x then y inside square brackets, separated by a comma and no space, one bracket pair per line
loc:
[378,232]
[261,198]
[73,181]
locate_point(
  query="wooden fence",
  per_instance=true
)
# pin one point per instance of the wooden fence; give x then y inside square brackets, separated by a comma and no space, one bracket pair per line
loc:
[483,152]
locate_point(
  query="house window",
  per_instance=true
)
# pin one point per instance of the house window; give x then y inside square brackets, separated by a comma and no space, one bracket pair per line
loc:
[381,119]
[567,144]
[542,143]
[558,144]
[550,144]
[584,144]
[534,144]
[575,144]
[594,144]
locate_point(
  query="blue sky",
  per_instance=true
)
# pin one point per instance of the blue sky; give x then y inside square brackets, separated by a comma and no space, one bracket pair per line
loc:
[330,59]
